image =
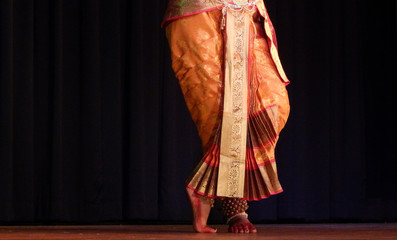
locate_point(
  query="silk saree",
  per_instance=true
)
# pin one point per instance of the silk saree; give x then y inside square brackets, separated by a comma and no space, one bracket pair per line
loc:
[234,86]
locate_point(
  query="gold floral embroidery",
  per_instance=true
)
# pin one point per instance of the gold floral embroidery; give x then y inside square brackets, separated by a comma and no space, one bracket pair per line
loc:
[234,121]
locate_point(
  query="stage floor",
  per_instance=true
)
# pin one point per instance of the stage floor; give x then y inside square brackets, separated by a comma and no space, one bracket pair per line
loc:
[177,232]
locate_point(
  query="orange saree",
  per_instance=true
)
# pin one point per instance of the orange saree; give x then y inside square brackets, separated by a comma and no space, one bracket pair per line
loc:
[234,87]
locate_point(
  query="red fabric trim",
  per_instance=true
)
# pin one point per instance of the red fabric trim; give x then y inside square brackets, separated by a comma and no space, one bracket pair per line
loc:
[208,159]
[249,74]
[187,14]
[211,164]
[251,164]
[267,162]
[248,199]
[264,144]
[253,167]
[200,193]
[215,165]
[263,197]
[258,113]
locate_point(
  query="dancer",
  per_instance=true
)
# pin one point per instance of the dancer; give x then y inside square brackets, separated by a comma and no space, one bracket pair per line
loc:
[224,54]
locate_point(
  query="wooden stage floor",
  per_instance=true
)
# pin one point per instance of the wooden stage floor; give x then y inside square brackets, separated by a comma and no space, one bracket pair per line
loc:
[378,231]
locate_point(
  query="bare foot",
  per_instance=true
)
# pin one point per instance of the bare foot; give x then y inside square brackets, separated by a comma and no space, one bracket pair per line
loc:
[241,224]
[201,210]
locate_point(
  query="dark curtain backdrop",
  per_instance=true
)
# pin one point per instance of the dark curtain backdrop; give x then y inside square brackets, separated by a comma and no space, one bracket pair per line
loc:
[94,126]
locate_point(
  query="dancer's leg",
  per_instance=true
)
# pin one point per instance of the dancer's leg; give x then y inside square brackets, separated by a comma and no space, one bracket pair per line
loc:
[234,211]
[201,208]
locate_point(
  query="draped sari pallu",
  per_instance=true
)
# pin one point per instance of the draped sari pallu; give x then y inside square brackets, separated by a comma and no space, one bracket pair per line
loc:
[233,83]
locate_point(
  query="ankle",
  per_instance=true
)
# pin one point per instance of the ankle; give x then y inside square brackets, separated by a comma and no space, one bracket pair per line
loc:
[236,218]
[233,207]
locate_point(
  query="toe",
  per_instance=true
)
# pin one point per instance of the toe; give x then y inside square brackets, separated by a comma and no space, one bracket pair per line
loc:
[210,230]
[241,228]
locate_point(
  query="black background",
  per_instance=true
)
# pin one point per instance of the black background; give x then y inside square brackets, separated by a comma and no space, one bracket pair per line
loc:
[94,126]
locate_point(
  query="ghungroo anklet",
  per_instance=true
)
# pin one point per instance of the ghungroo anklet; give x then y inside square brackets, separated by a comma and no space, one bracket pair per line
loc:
[208,200]
[233,207]
[238,214]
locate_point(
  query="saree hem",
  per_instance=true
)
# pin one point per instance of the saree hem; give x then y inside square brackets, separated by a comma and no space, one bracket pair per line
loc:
[247,199]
